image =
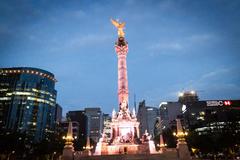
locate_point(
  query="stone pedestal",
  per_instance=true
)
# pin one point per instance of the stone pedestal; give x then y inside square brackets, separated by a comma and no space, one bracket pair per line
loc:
[68,153]
[183,152]
[87,153]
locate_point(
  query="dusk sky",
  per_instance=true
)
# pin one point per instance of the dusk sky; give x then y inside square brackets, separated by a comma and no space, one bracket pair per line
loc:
[174,45]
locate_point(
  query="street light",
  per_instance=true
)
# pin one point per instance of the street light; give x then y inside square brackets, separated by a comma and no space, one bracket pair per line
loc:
[192,92]
[54,153]
[180,94]
[10,154]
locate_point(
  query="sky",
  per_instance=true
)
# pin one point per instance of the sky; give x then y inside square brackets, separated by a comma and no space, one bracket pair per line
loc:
[174,45]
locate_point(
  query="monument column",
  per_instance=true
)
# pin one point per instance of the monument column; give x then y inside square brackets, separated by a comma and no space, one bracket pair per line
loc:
[121,48]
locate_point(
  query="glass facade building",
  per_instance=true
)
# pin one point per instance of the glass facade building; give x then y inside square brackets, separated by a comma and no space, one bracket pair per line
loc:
[147,116]
[27,101]
[81,118]
[95,123]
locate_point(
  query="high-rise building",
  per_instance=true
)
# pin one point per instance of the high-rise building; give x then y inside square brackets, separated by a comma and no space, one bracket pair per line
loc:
[201,116]
[212,115]
[147,116]
[169,111]
[58,113]
[27,101]
[95,123]
[188,97]
[81,118]
[75,128]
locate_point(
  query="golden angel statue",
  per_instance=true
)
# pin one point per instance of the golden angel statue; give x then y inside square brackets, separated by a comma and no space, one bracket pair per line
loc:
[119,26]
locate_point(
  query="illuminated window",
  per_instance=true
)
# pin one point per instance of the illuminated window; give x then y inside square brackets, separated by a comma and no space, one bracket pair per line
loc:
[94,117]
[213,112]
[200,118]
[51,99]
[5,98]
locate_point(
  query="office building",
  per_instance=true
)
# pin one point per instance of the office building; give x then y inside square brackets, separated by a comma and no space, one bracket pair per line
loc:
[147,116]
[80,117]
[169,111]
[212,115]
[27,101]
[75,128]
[95,123]
[187,97]
[58,113]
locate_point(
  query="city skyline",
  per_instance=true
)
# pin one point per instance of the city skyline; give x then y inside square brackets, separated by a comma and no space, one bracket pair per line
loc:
[173,46]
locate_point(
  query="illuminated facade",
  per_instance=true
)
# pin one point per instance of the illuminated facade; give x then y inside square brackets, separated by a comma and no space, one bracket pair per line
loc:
[212,116]
[27,101]
[187,97]
[107,126]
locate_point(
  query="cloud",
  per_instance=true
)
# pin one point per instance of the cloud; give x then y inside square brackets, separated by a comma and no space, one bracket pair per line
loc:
[202,38]
[215,73]
[183,45]
[167,46]
[170,48]
[80,41]
[79,13]
[89,39]
[214,79]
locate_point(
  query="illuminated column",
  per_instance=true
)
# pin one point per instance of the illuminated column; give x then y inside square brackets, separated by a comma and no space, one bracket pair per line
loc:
[182,147]
[68,148]
[87,148]
[121,48]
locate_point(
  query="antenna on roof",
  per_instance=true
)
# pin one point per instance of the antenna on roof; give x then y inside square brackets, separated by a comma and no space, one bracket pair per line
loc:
[135,104]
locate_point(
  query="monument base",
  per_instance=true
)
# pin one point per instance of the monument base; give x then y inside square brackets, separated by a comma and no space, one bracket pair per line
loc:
[170,154]
[125,149]
[183,152]
[68,153]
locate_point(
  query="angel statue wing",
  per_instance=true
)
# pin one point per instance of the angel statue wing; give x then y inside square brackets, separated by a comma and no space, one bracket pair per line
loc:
[119,26]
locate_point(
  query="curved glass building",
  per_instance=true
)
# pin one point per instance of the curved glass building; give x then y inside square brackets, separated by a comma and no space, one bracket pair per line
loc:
[27,101]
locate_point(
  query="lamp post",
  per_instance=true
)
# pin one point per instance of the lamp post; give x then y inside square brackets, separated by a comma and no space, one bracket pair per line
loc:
[10,155]
[54,153]
[182,147]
